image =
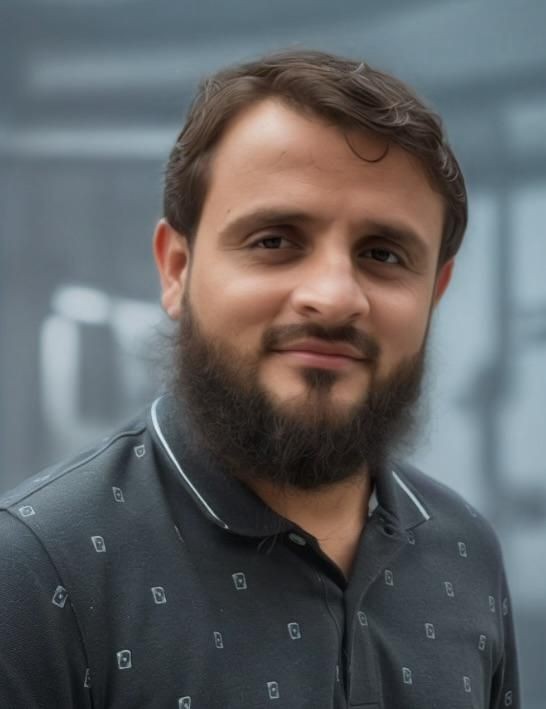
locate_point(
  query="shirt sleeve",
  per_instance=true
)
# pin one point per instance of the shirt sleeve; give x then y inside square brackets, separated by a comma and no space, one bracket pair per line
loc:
[42,657]
[505,687]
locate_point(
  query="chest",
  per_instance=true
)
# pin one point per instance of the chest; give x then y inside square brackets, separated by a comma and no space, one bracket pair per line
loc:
[252,629]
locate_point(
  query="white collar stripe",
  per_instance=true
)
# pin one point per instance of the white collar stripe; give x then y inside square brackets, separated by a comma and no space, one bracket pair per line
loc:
[412,497]
[372,504]
[179,467]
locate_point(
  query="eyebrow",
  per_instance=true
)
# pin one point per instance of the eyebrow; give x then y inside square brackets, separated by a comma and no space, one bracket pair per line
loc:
[399,233]
[264,217]
[270,216]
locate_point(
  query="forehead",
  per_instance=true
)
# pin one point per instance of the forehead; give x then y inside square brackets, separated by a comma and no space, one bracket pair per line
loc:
[272,153]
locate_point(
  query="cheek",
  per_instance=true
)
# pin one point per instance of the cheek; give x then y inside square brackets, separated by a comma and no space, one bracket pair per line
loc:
[235,305]
[400,322]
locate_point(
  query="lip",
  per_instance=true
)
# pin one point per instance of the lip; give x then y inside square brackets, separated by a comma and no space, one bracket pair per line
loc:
[323,355]
[319,347]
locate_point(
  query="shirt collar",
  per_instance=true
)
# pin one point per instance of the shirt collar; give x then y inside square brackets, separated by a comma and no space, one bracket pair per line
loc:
[232,506]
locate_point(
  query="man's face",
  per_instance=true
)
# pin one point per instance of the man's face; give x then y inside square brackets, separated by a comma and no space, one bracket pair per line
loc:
[314,268]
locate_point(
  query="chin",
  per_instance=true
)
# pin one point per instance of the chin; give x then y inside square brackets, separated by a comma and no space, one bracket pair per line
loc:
[308,406]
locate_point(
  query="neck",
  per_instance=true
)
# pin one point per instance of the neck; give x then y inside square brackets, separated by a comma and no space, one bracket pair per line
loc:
[335,515]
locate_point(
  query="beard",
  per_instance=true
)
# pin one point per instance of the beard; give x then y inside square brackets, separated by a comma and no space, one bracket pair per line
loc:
[307,445]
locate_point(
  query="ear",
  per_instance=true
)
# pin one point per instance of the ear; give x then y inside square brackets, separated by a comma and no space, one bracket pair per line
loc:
[442,280]
[172,257]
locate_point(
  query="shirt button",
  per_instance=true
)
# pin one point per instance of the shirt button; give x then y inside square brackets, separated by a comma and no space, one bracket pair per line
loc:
[297,539]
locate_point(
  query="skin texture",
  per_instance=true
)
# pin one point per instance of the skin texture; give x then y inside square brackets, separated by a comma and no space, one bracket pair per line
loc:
[300,226]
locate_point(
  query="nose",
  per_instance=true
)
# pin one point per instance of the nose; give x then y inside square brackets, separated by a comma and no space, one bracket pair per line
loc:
[331,291]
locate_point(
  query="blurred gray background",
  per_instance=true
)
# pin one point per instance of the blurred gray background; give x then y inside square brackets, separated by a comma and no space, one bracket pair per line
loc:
[93,93]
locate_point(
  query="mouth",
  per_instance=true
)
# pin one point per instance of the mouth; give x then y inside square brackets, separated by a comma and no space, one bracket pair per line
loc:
[324,355]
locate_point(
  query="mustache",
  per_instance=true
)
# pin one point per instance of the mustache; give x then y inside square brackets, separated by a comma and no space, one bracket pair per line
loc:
[283,335]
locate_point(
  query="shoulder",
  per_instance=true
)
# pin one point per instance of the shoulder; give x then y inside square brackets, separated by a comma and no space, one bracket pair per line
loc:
[451,515]
[74,485]
[80,541]
[101,496]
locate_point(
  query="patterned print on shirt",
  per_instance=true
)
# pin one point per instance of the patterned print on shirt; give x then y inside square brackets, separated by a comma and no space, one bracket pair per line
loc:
[59,597]
[140,451]
[125,660]
[158,592]
[294,631]
[118,494]
[98,543]
[273,690]
[239,581]
[389,578]
[429,631]
[241,616]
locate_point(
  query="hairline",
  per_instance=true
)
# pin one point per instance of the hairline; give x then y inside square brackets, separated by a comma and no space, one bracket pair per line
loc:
[206,161]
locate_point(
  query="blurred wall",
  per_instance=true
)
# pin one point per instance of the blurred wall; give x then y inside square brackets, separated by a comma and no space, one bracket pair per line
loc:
[92,96]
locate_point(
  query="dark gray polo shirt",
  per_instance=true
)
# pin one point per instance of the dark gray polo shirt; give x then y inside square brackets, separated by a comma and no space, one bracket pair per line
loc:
[141,575]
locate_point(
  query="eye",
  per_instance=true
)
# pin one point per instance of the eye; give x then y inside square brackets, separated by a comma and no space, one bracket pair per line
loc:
[383,256]
[271,243]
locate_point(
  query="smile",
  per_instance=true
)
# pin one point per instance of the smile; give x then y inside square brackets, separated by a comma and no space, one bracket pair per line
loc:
[313,352]
[309,358]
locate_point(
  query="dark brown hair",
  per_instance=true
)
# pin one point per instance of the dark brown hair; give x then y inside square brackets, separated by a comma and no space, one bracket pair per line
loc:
[346,93]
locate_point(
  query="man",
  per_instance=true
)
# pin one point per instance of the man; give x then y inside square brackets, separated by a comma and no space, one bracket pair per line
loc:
[251,540]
